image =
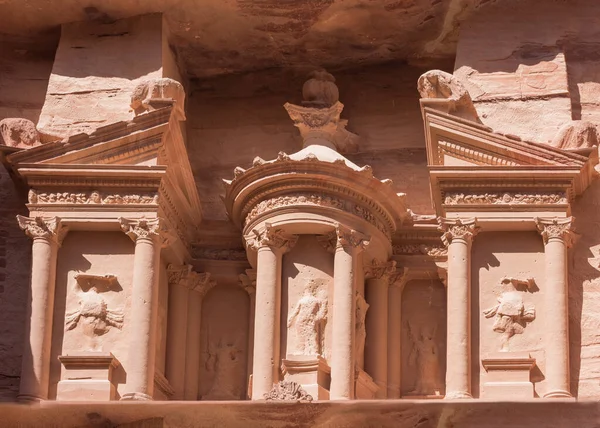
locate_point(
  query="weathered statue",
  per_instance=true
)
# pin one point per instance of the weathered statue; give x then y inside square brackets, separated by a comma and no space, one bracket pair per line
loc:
[511,314]
[445,90]
[309,316]
[18,132]
[425,356]
[225,362]
[158,89]
[576,134]
[360,329]
[320,90]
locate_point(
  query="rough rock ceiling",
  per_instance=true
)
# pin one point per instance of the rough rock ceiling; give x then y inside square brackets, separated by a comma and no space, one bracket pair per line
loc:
[213,37]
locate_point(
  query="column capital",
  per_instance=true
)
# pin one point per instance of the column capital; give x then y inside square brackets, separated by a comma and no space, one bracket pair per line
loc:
[350,239]
[184,276]
[275,238]
[463,229]
[399,277]
[48,228]
[142,228]
[380,270]
[556,228]
[248,281]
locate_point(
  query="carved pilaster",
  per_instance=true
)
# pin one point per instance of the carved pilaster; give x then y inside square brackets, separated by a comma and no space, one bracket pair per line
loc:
[554,228]
[350,239]
[49,228]
[463,229]
[273,237]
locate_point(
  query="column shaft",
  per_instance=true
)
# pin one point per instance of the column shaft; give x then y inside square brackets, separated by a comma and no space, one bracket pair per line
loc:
[556,326]
[394,342]
[342,361]
[376,355]
[264,363]
[177,338]
[458,357]
[35,373]
[192,361]
[252,297]
[140,370]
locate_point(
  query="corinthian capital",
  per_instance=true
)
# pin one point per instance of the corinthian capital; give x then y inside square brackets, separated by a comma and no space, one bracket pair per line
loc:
[399,277]
[380,270]
[556,228]
[184,276]
[272,237]
[49,228]
[350,239]
[143,228]
[452,229]
[201,283]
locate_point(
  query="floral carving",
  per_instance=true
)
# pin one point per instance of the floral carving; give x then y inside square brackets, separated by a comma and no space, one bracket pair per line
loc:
[302,199]
[287,390]
[184,275]
[43,228]
[425,249]
[141,228]
[555,229]
[379,270]
[94,197]
[506,198]
[272,237]
[351,239]
[457,229]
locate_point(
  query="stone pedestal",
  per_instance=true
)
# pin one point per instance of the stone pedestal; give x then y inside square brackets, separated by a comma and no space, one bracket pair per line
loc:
[312,372]
[365,386]
[88,377]
[508,376]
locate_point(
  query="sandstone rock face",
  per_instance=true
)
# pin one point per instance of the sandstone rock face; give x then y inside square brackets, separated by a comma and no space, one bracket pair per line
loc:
[577,134]
[158,90]
[19,133]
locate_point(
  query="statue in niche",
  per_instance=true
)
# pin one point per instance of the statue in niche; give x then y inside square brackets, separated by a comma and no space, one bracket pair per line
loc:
[511,314]
[360,328]
[309,316]
[425,356]
[225,363]
[93,312]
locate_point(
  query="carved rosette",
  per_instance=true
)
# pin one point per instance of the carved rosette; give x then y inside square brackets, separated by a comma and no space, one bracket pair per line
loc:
[459,229]
[273,237]
[380,270]
[49,228]
[554,228]
[350,239]
[287,390]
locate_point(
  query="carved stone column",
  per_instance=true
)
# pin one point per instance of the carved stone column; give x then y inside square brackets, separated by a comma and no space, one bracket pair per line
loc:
[557,238]
[376,349]
[141,357]
[47,235]
[348,246]
[458,237]
[177,328]
[199,285]
[397,281]
[248,283]
[270,245]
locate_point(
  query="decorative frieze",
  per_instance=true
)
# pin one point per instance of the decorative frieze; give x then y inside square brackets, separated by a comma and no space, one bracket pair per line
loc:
[505,198]
[94,197]
[232,254]
[420,249]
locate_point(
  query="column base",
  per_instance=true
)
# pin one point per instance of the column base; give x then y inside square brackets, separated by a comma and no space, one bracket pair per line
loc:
[557,393]
[29,399]
[136,396]
[508,375]
[457,395]
[310,371]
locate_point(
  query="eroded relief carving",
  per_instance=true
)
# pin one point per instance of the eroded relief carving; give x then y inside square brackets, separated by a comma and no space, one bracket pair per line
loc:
[93,197]
[158,89]
[425,357]
[93,314]
[18,132]
[576,134]
[309,318]
[360,328]
[511,315]
[287,390]
[508,198]
[224,362]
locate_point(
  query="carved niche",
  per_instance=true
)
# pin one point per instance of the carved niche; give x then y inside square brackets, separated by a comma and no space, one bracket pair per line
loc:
[510,314]
[93,314]
[225,363]
[308,319]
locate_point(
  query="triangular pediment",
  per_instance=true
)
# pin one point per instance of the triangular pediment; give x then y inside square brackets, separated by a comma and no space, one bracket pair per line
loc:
[455,142]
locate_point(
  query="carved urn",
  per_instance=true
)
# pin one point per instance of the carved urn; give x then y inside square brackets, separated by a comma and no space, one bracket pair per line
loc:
[320,90]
